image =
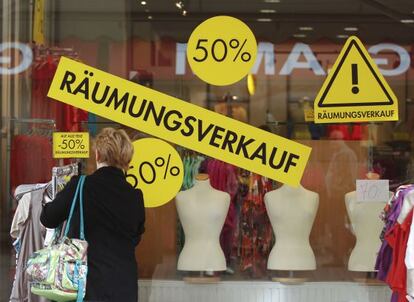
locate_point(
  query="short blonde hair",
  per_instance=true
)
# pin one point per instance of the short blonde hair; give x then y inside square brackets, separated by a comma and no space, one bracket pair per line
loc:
[114,148]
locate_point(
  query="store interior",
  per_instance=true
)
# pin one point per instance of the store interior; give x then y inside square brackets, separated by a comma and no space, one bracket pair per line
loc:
[298,43]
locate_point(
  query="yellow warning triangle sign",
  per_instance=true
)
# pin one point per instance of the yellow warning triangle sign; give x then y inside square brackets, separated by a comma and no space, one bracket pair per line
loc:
[355,90]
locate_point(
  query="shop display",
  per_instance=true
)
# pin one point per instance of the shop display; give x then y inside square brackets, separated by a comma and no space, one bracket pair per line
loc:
[292,226]
[315,95]
[202,211]
[28,232]
[391,261]
[366,227]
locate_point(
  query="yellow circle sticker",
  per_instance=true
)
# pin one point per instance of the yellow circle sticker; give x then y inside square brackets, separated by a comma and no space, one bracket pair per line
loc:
[157,169]
[221,50]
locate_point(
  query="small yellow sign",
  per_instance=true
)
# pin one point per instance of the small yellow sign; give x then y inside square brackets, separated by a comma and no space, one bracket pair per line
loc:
[222,50]
[179,122]
[355,90]
[70,145]
[309,114]
[159,173]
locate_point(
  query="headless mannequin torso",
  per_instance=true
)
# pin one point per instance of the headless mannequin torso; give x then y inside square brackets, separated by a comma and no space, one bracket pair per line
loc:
[202,211]
[366,227]
[292,212]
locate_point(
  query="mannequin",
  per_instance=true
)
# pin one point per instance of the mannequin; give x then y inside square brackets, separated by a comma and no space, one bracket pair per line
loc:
[292,212]
[366,226]
[202,211]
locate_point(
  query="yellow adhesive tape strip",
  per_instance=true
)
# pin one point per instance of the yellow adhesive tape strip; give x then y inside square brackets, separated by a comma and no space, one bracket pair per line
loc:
[179,122]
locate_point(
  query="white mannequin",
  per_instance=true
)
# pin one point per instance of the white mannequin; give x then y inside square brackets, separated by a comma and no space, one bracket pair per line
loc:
[292,212]
[202,211]
[366,226]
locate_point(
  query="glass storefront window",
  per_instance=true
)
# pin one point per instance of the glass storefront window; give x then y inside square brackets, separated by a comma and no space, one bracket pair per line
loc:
[314,242]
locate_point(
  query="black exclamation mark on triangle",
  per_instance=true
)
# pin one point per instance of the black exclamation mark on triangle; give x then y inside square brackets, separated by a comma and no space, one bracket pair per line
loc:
[355,88]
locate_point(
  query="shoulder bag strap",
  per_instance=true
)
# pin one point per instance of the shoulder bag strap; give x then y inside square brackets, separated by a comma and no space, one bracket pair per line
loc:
[72,208]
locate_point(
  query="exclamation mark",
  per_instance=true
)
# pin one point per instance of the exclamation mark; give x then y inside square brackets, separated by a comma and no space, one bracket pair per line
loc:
[355,88]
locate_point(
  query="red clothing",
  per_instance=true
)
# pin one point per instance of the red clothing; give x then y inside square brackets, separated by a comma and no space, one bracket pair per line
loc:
[31,160]
[397,238]
[67,117]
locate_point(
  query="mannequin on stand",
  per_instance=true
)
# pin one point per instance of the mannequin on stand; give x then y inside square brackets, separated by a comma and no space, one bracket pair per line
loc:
[292,212]
[202,211]
[366,227]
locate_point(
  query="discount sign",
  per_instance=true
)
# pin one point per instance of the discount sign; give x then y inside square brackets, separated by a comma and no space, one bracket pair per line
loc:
[157,169]
[221,50]
[372,190]
[70,145]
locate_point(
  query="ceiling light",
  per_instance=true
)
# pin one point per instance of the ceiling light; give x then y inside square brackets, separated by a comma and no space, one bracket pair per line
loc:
[264,20]
[271,1]
[306,28]
[407,21]
[179,4]
[267,11]
[150,17]
[299,35]
[184,12]
[143,2]
[351,28]
[147,10]
[342,36]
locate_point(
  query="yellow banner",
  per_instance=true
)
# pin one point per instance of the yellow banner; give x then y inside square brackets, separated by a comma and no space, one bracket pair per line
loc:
[179,122]
[70,145]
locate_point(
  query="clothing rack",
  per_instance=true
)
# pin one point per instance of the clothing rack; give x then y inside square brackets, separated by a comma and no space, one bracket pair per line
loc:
[62,171]
[10,124]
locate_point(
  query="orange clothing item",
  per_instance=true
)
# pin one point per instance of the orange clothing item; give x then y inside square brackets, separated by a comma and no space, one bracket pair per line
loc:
[397,238]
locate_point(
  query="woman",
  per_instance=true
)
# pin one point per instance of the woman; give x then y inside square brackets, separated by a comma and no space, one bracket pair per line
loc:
[114,220]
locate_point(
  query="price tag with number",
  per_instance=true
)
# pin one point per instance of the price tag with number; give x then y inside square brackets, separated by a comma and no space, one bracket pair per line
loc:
[157,169]
[222,50]
[70,145]
[372,190]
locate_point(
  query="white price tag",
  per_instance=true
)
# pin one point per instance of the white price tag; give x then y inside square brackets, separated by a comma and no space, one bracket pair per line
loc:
[372,190]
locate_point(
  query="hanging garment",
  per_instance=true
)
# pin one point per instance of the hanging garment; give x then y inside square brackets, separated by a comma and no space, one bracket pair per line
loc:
[409,263]
[256,232]
[223,177]
[384,257]
[31,160]
[31,234]
[397,238]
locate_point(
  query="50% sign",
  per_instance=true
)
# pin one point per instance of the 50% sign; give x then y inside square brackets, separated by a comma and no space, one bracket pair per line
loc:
[156,169]
[221,50]
[71,145]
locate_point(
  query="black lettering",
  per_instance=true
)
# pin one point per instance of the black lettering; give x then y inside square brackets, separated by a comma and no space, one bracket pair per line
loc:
[242,146]
[290,162]
[114,97]
[66,81]
[141,108]
[95,92]
[176,124]
[189,126]
[215,136]
[228,142]
[151,109]
[260,153]
[83,87]
[272,159]
[201,134]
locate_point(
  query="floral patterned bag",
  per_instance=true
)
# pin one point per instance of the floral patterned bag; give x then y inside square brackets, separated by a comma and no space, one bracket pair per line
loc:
[59,271]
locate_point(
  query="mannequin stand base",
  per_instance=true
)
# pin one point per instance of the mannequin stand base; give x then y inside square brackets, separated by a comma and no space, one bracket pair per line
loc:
[290,281]
[202,280]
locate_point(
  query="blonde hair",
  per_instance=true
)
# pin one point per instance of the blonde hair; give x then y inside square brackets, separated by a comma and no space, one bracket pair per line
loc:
[114,148]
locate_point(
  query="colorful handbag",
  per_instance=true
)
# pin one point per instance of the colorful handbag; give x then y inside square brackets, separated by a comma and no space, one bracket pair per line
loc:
[59,271]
